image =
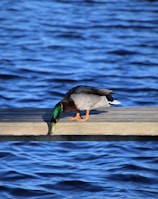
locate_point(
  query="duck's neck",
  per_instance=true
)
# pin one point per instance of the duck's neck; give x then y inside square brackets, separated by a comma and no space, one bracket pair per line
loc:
[68,106]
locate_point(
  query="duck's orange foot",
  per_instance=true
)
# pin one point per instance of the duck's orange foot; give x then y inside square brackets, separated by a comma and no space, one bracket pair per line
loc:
[74,118]
[77,117]
[83,119]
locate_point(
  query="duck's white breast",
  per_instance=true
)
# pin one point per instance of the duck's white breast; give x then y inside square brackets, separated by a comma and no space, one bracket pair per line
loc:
[89,101]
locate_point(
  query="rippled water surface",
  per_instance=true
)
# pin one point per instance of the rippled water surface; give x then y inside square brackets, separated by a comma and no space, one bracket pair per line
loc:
[79,170]
[47,47]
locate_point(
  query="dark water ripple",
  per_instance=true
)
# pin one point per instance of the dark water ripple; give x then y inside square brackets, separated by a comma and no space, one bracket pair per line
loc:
[74,170]
[47,47]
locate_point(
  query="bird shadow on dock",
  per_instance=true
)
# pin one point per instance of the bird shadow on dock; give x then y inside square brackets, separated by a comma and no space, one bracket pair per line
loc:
[46,118]
[47,115]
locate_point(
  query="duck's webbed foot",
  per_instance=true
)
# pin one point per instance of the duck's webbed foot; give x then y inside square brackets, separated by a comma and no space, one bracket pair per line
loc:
[85,118]
[77,117]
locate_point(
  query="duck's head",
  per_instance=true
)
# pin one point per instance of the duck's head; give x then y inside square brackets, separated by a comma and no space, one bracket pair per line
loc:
[55,115]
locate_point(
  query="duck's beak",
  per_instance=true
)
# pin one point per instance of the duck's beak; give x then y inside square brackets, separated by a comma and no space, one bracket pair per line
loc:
[53,127]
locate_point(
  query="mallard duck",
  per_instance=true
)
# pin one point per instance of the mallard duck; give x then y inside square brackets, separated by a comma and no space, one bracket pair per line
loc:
[82,98]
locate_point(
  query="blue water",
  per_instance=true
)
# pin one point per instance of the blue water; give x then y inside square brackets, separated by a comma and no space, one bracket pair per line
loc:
[47,47]
[79,170]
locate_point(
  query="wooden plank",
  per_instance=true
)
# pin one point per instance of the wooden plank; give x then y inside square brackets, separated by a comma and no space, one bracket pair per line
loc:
[137,121]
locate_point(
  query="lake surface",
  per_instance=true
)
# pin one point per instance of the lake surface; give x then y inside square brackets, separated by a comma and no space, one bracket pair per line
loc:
[46,48]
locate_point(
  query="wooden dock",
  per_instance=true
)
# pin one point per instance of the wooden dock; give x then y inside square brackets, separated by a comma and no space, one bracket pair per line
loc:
[109,124]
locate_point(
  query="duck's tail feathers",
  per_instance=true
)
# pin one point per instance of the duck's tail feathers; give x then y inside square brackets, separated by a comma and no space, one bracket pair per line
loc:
[115,102]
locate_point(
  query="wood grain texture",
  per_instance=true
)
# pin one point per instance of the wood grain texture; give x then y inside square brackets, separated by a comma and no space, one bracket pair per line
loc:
[142,121]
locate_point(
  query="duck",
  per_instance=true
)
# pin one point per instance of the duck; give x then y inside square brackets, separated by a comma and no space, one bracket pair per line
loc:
[81,98]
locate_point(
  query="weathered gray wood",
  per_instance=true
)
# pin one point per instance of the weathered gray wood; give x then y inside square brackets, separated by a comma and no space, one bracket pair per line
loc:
[138,121]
